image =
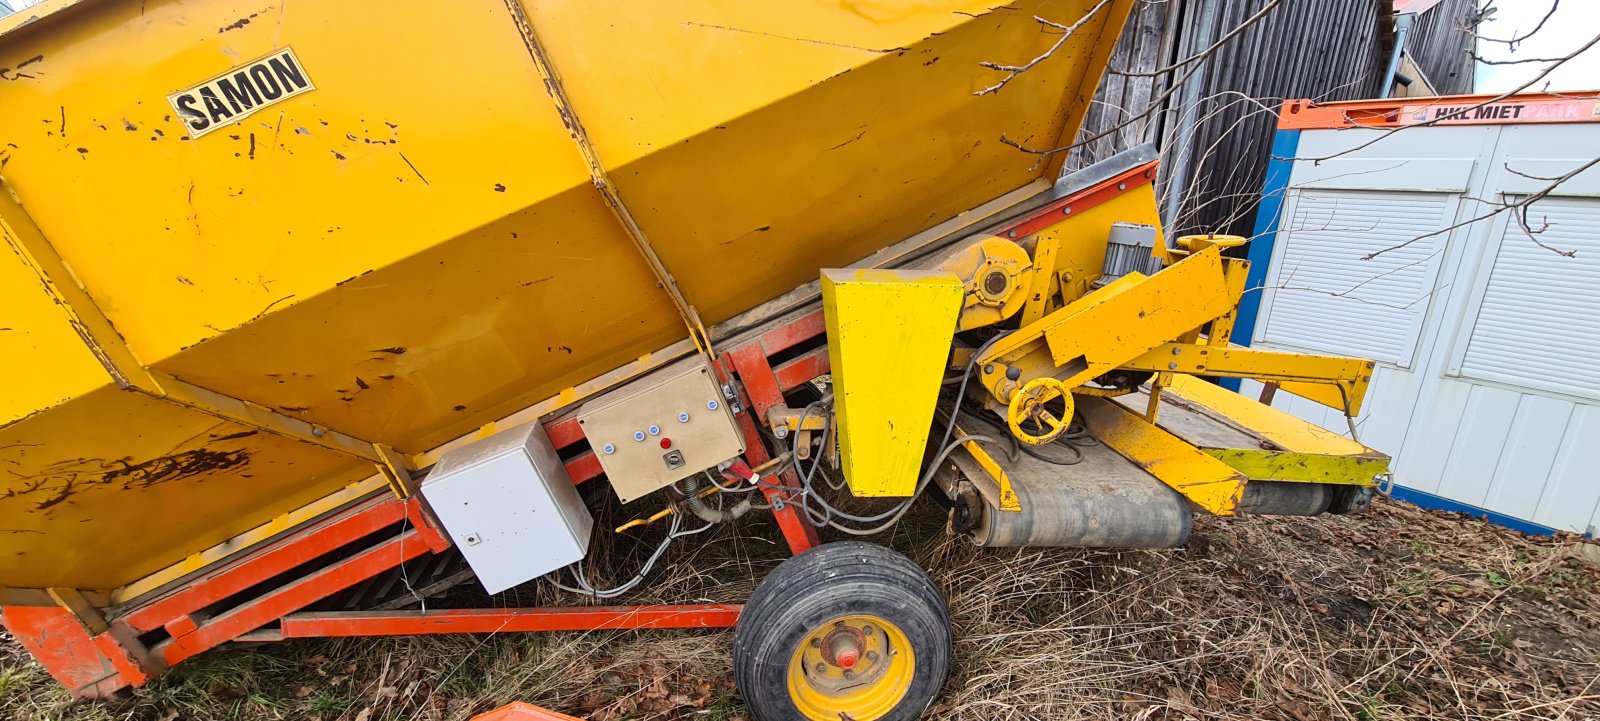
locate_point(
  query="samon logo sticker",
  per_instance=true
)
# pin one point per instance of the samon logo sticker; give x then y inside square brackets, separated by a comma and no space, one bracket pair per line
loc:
[240,92]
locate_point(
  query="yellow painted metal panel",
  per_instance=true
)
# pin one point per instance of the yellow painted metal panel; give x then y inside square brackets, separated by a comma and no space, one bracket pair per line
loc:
[1260,465]
[855,126]
[430,347]
[1134,313]
[414,247]
[45,362]
[1287,431]
[123,479]
[391,155]
[888,341]
[1205,481]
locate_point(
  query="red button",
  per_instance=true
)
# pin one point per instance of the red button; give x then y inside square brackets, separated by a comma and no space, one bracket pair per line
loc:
[666,443]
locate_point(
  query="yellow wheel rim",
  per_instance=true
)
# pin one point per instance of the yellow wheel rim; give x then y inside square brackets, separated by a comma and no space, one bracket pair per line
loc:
[878,676]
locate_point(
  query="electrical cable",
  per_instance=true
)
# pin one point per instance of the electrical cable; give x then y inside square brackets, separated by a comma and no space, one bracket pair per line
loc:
[1070,440]
[735,488]
[903,506]
[587,589]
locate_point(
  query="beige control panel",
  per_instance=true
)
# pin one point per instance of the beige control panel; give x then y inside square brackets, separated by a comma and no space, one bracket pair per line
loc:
[653,433]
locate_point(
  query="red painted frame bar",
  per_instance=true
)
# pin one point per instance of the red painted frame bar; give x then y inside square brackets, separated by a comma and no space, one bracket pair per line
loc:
[88,666]
[762,391]
[1062,209]
[799,371]
[303,546]
[297,595]
[507,620]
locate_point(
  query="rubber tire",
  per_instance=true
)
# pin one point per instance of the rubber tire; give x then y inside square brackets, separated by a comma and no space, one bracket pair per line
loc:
[836,579]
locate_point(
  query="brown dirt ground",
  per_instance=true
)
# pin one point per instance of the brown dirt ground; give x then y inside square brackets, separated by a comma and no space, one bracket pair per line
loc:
[1396,613]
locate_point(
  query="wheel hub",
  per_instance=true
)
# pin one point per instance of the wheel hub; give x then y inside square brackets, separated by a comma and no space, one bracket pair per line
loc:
[858,666]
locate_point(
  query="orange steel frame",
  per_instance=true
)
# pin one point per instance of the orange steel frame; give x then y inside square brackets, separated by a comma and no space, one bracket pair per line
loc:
[96,656]
[1391,112]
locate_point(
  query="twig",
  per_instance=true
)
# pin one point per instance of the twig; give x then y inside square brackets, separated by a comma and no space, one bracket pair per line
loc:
[1012,71]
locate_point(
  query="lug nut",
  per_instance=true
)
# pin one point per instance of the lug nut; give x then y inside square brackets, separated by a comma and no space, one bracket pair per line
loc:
[822,668]
[866,630]
[849,674]
[872,655]
[816,643]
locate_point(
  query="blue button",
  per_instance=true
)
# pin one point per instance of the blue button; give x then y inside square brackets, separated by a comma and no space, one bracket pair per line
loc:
[638,435]
[655,430]
[683,417]
[609,449]
[711,405]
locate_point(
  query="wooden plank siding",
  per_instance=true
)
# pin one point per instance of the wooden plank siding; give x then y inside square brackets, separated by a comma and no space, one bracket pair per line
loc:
[1320,49]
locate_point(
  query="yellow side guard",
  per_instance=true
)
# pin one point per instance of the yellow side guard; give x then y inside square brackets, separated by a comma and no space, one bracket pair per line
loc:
[888,339]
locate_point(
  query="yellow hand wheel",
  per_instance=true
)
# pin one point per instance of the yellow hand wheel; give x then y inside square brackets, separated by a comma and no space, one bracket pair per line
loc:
[1027,404]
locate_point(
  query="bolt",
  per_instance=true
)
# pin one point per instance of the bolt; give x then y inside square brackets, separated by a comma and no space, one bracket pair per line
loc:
[1013,373]
[822,668]
[848,674]
[781,432]
[816,643]
[872,655]
[1011,234]
[1172,366]
[317,432]
[1122,186]
[866,630]
[838,624]
[1066,210]
[1176,351]
[988,369]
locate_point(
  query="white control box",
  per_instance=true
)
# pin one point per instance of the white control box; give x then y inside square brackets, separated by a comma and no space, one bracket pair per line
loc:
[509,505]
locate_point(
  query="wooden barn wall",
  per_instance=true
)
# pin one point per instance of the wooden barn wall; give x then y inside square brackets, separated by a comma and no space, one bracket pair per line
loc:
[1320,49]
[1442,43]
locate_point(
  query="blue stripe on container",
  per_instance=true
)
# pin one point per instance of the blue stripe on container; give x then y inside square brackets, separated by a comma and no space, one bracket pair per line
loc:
[1428,500]
[1284,146]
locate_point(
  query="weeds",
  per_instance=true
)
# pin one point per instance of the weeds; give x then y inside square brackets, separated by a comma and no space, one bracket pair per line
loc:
[1395,614]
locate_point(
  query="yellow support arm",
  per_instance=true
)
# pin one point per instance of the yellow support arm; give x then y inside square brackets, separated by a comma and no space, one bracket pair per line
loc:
[1337,382]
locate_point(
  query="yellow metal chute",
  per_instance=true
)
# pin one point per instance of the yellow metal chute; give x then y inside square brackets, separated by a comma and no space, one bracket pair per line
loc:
[413,245]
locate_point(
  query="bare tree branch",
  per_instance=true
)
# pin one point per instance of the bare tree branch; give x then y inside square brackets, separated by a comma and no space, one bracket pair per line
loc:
[1501,207]
[1515,39]
[1013,71]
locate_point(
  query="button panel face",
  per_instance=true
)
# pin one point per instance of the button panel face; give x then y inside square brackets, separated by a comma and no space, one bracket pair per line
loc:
[687,401]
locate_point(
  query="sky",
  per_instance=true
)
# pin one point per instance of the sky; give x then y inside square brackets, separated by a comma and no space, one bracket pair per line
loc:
[1574,23]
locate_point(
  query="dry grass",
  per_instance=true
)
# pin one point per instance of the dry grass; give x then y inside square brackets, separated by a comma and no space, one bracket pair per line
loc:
[1399,613]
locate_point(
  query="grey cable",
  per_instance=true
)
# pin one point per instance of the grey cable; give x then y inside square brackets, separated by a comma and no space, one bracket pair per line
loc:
[588,589]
